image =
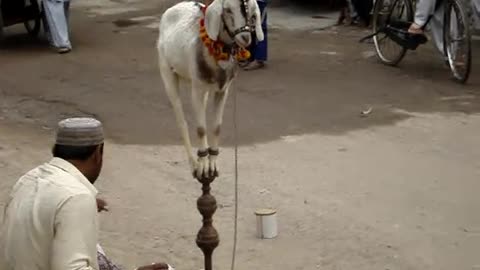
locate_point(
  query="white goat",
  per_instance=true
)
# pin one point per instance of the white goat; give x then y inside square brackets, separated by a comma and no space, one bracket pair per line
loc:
[183,56]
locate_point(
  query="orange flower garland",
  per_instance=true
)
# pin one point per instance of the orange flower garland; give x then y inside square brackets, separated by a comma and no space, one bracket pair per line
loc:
[215,48]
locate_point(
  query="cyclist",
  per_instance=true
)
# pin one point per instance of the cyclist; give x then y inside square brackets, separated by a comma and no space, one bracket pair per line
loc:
[425,9]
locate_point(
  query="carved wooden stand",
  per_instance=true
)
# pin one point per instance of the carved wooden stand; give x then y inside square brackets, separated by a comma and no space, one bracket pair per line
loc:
[207,237]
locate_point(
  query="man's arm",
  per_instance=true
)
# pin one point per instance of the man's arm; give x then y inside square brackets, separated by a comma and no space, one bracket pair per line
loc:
[75,238]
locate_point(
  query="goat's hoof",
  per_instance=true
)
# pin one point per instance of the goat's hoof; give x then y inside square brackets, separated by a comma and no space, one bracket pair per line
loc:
[213,172]
[202,169]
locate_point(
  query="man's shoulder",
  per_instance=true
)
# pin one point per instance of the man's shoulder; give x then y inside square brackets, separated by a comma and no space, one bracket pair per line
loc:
[53,179]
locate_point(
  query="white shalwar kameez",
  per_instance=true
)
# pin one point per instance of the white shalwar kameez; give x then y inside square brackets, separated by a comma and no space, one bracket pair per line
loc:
[426,8]
[56,15]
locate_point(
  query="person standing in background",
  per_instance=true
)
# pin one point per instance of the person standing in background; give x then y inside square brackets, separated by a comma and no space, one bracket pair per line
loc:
[56,15]
[258,49]
[362,9]
[347,13]
[425,10]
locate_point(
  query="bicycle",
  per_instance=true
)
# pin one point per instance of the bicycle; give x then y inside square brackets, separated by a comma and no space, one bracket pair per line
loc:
[14,12]
[392,18]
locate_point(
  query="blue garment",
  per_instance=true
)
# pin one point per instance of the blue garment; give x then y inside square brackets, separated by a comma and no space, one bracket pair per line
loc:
[259,49]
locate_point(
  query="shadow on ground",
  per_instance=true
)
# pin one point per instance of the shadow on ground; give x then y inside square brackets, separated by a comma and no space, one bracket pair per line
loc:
[314,83]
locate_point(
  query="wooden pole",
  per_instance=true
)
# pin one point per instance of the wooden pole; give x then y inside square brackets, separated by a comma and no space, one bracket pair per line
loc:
[207,237]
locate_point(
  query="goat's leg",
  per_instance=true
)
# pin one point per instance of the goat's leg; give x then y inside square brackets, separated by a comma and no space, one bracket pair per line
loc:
[170,81]
[219,101]
[199,103]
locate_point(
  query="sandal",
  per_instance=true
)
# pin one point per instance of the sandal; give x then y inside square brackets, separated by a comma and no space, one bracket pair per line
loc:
[254,65]
[63,50]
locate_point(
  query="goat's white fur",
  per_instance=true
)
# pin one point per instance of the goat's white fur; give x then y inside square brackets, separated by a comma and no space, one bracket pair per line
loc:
[179,56]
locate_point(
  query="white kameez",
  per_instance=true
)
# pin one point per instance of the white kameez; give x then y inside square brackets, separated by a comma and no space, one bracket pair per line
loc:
[56,15]
[425,8]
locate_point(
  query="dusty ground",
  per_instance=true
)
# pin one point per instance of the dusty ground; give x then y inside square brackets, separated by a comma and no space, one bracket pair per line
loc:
[394,190]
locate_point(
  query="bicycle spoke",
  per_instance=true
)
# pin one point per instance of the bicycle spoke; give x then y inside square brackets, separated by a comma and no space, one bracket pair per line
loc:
[388,51]
[457,40]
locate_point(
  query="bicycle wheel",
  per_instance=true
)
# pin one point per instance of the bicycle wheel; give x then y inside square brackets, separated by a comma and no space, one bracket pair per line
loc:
[388,51]
[457,40]
[33,25]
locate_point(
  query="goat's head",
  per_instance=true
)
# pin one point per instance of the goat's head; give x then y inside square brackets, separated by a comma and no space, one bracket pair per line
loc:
[239,18]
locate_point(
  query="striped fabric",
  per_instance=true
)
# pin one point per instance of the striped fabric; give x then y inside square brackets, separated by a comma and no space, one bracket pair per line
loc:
[104,263]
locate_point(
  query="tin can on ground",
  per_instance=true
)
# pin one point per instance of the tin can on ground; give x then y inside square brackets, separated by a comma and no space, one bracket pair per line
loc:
[266,223]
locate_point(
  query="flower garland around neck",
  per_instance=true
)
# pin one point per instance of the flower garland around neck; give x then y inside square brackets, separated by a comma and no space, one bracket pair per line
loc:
[215,47]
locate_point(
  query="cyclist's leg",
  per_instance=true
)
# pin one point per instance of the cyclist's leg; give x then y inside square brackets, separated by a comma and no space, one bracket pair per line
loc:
[476,14]
[436,27]
[425,8]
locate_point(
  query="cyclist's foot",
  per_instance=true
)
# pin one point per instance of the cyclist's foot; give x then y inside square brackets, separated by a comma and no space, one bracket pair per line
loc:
[415,29]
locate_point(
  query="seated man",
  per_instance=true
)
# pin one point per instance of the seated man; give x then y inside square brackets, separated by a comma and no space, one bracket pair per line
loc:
[50,221]
[105,264]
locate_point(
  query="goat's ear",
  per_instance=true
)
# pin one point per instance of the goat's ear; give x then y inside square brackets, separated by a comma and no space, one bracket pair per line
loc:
[258,23]
[213,19]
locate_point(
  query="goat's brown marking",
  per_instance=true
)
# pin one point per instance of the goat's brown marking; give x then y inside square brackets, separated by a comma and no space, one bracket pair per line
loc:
[201,132]
[205,72]
[222,78]
[225,75]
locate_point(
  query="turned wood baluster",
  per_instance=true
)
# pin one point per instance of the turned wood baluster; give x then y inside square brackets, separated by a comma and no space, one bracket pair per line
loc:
[207,237]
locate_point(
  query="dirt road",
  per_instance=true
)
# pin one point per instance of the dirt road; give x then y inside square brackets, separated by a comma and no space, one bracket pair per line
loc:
[394,190]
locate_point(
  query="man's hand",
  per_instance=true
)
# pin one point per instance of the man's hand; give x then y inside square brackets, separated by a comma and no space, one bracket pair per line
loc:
[154,266]
[102,205]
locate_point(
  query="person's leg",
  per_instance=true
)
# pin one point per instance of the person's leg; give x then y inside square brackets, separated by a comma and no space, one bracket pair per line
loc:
[425,8]
[436,27]
[45,23]
[57,24]
[260,49]
[363,8]
[353,11]
[343,14]
[66,9]
[103,262]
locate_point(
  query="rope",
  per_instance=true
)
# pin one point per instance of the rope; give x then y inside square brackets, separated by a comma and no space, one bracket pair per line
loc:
[235,226]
